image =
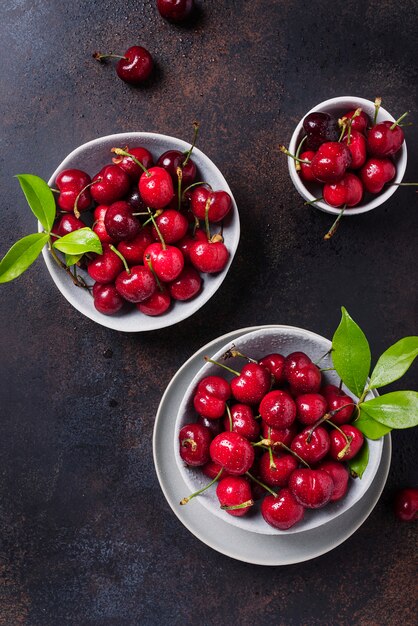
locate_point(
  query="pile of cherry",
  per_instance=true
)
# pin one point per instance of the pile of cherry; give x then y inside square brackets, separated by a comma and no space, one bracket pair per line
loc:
[147,218]
[274,430]
[349,155]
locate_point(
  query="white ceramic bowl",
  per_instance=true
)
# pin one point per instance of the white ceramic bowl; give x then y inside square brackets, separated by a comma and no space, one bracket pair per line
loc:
[284,340]
[337,107]
[91,157]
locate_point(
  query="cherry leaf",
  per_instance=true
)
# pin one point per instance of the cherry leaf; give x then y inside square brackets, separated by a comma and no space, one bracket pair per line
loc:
[79,242]
[72,259]
[21,255]
[398,409]
[40,199]
[370,428]
[359,463]
[394,362]
[351,354]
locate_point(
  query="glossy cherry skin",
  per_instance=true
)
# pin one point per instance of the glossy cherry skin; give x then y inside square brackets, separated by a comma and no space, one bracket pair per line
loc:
[134,171]
[215,426]
[135,200]
[305,171]
[100,229]
[331,162]
[313,489]
[67,224]
[212,469]
[106,299]
[305,379]
[233,452]
[348,191]
[312,448]
[339,442]
[211,395]
[274,363]
[119,222]
[156,187]
[70,182]
[194,440]
[375,173]
[406,505]
[209,257]
[134,249]
[233,491]
[172,225]
[294,361]
[136,286]
[173,159]
[112,184]
[310,407]
[278,409]
[136,66]
[384,142]
[279,435]
[187,285]
[340,476]
[252,384]
[157,304]
[358,149]
[175,10]
[340,402]
[243,422]
[360,122]
[187,242]
[319,127]
[166,262]
[282,511]
[220,204]
[106,267]
[279,474]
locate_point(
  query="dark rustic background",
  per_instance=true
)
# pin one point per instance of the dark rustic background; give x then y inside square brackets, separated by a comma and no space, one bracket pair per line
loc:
[87,536]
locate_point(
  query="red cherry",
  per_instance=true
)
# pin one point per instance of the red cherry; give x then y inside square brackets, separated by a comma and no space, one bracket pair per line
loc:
[157,304]
[187,242]
[360,122]
[187,285]
[136,286]
[375,173]
[340,475]
[233,452]
[100,212]
[136,66]
[105,267]
[120,223]
[331,161]
[174,159]
[279,473]
[406,505]
[274,363]
[134,171]
[243,422]
[310,408]
[167,262]
[209,257]
[382,141]
[172,225]
[279,435]
[100,229]
[156,187]
[210,397]
[305,379]
[112,184]
[282,511]
[339,442]
[252,384]
[70,182]
[305,168]
[106,299]
[215,426]
[278,409]
[134,250]
[175,10]
[135,200]
[336,400]
[357,147]
[234,491]
[219,207]
[212,469]
[348,191]
[194,442]
[312,447]
[294,361]
[311,488]
[67,224]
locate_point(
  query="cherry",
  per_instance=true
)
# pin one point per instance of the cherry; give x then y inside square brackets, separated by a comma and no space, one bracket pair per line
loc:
[375,173]
[100,229]
[311,488]
[106,299]
[215,426]
[282,511]
[339,474]
[70,182]
[274,363]
[209,257]
[233,452]
[167,261]
[243,422]
[305,379]
[341,449]
[211,396]
[135,200]
[172,224]
[120,223]
[330,162]
[174,159]
[219,206]
[251,384]
[133,67]
[134,250]
[212,469]
[384,139]
[156,187]
[175,10]
[305,168]
[312,445]
[360,122]
[294,361]
[128,164]
[137,285]
[310,408]
[336,400]
[279,435]
[194,444]
[186,243]
[187,284]
[357,147]
[319,127]
[67,224]
[105,267]
[346,192]
[278,409]
[235,492]
[110,184]
[406,505]
[157,304]
[276,471]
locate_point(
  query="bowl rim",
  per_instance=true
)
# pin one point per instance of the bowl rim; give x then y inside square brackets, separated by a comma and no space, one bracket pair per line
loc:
[164,321]
[352,102]
[241,521]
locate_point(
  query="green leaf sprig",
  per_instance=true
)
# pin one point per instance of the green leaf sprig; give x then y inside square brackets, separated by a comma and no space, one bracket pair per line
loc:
[377,416]
[25,251]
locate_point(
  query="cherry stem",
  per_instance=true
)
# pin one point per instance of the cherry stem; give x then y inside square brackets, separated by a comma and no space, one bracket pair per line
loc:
[324,355]
[272,464]
[228,410]
[54,190]
[302,141]
[154,223]
[398,120]
[192,443]
[121,152]
[156,214]
[273,493]
[122,258]
[195,134]
[327,369]
[157,280]
[77,282]
[225,367]
[197,493]
[314,201]
[234,507]
[99,56]
[207,227]
[196,185]
[377,105]
[140,213]
[179,172]
[232,353]
[269,443]
[289,154]
[76,211]
[334,227]
[405,184]
[343,123]
[350,124]
[340,386]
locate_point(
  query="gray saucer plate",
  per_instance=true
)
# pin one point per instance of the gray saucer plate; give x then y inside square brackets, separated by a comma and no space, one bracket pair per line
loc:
[221,536]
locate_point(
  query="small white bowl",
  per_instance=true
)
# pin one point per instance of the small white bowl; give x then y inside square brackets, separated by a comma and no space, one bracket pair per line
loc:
[337,107]
[91,157]
[284,340]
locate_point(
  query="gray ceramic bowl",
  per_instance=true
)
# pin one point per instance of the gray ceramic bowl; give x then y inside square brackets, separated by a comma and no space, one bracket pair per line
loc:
[91,157]
[282,339]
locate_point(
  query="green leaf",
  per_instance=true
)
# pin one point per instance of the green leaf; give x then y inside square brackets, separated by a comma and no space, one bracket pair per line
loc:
[394,362]
[79,242]
[72,259]
[398,409]
[40,199]
[369,427]
[351,354]
[21,255]
[359,463]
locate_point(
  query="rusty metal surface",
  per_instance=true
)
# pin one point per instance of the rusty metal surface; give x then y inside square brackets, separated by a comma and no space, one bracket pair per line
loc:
[87,536]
